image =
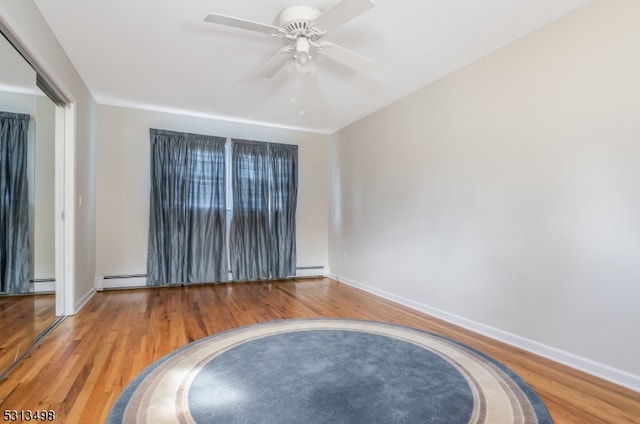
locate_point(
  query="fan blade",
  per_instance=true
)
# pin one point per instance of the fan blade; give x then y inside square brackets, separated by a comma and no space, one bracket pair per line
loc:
[345,56]
[216,18]
[276,62]
[341,12]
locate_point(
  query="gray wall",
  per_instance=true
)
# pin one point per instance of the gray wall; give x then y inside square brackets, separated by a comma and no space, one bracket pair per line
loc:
[506,196]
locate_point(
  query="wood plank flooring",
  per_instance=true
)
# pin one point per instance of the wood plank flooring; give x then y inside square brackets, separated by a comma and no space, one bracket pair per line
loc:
[22,319]
[81,366]
[17,330]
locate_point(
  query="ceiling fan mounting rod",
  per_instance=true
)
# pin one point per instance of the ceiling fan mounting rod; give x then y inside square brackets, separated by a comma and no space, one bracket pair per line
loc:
[297,22]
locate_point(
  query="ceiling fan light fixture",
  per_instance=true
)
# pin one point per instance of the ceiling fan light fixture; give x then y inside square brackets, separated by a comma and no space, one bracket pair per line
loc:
[302,48]
[303,58]
[304,61]
[307,68]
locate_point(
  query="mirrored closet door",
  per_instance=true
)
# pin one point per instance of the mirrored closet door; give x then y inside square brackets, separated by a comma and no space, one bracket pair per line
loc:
[27,208]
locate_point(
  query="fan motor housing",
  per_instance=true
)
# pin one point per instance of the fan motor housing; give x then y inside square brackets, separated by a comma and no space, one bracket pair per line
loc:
[295,20]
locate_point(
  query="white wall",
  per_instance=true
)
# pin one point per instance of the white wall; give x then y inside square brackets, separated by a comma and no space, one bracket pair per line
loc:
[23,18]
[506,196]
[123,183]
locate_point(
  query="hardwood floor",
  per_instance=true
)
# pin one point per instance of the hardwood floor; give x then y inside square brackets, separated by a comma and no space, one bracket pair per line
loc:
[22,319]
[81,366]
[44,311]
[17,330]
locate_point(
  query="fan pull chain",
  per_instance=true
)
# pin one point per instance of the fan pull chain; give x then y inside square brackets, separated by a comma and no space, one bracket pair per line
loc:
[301,112]
[293,70]
[298,78]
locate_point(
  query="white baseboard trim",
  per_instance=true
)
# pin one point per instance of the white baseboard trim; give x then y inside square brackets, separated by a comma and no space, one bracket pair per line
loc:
[606,372]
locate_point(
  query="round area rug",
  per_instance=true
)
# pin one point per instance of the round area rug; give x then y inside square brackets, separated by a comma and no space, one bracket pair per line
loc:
[327,371]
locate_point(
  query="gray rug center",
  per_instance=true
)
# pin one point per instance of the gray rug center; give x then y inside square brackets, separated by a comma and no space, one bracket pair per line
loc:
[329,376]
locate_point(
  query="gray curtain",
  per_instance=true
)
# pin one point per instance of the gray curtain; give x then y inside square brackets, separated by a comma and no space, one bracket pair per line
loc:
[14,203]
[283,186]
[249,234]
[187,230]
[262,235]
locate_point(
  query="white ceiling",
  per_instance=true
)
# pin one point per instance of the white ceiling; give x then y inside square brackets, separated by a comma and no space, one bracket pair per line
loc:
[160,54]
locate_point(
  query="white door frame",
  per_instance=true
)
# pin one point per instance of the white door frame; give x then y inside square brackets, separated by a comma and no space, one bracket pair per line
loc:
[65,208]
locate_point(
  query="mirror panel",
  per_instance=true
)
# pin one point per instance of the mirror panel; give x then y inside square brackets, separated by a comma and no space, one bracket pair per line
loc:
[23,316]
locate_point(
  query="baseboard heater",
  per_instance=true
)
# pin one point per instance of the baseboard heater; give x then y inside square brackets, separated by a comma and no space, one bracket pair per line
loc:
[124,281]
[107,282]
[118,277]
[42,285]
[311,271]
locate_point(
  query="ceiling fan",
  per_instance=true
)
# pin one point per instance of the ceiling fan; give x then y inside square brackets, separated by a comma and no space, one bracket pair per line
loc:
[303,28]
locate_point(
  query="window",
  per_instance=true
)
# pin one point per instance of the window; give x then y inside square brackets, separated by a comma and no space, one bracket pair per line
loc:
[212,199]
[204,178]
[187,213]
